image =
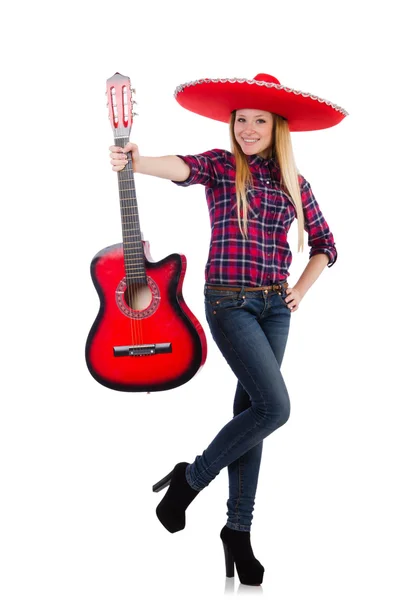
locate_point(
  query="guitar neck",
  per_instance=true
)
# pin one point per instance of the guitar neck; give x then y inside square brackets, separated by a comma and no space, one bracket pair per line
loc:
[132,243]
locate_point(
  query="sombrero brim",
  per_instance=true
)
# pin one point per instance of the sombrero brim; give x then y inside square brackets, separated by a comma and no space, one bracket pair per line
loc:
[217,98]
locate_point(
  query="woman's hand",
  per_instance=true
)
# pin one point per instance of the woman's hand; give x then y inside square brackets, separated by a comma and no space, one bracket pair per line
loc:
[293,299]
[119,156]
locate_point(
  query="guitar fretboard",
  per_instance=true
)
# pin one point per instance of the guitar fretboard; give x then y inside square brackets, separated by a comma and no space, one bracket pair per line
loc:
[132,243]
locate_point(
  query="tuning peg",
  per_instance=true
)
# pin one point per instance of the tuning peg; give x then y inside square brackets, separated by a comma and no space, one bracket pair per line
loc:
[133,90]
[134,114]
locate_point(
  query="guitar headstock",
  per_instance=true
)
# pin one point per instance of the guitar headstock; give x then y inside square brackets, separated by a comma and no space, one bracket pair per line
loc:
[120,104]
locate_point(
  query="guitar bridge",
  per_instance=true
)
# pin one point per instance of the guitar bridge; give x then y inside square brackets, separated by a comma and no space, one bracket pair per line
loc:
[142,349]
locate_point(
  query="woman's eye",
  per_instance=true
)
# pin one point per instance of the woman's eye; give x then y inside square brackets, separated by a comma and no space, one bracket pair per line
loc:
[241,120]
[261,121]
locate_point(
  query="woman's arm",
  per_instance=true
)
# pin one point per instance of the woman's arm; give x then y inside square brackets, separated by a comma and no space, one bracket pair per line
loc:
[166,167]
[313,269]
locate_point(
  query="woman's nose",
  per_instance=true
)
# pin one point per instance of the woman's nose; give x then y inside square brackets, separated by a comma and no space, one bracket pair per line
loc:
[249,128]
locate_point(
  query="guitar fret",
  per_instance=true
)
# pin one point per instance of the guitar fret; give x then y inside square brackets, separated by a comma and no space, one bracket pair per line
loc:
[132,258]
[130,262]
[133,248]
[132,266]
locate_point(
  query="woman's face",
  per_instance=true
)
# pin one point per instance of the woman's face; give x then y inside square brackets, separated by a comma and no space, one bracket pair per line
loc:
[253,131]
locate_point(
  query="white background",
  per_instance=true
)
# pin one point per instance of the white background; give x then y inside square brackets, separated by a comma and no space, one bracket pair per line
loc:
[77,459]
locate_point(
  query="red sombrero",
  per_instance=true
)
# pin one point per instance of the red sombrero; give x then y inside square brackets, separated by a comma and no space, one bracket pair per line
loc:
[217,98]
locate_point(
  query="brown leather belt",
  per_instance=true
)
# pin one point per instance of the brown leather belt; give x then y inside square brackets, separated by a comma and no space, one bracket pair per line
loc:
[226,288]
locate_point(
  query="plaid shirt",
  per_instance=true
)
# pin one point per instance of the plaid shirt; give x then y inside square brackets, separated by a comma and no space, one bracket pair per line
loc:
[263,258]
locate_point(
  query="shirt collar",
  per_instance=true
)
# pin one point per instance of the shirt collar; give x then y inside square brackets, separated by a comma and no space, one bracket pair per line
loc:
[270,164]
[256,159]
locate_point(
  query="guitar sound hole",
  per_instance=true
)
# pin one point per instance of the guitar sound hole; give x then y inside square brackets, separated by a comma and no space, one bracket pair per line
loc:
[138,297]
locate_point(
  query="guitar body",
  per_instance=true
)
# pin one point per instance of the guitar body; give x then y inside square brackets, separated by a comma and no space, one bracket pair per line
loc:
[153,344]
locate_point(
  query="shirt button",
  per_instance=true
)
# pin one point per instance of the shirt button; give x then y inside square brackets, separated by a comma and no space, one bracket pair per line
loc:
[268,182]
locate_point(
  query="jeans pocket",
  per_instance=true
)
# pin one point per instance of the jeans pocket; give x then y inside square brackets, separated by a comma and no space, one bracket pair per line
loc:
[282,296]
[225,302]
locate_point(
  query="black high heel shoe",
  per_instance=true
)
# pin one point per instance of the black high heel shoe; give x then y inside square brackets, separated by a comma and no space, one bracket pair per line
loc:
[238,551]
[171,510]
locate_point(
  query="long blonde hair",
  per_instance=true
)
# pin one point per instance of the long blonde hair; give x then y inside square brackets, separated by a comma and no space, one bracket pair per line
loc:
[282,151]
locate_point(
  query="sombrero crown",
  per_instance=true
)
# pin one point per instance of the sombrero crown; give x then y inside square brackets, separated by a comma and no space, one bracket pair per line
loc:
[217,98]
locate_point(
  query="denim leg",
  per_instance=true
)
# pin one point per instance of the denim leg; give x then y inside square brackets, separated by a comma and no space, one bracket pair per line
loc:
[237,330]
[244,472]
[243,475]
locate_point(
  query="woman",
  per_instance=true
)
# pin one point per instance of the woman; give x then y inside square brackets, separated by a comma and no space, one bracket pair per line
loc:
[253,193]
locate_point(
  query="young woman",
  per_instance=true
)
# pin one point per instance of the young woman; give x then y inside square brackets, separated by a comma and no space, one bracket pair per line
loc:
[253,194]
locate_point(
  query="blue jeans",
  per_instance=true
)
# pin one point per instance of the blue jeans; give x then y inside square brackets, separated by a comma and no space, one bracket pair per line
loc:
[251,330]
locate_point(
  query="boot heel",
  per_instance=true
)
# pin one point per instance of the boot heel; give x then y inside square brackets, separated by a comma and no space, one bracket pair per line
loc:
[229,562]
[160,485]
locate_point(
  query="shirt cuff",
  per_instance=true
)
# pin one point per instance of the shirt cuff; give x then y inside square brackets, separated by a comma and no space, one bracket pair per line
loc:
[193,172]
[330,252]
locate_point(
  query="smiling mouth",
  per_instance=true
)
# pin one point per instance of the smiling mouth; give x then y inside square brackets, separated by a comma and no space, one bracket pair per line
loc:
[249,141]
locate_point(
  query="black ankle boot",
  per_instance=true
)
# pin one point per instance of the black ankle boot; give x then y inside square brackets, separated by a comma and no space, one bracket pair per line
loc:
[171,510]
[237,547]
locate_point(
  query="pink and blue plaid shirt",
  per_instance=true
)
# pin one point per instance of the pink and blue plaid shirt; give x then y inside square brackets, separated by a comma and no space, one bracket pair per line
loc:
[264,258]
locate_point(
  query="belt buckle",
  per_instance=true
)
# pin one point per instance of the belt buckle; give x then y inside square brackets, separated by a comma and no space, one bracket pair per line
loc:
[281,286]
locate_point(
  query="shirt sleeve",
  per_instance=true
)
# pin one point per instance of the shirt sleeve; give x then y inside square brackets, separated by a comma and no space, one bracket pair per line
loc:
[206,168]
[320,238]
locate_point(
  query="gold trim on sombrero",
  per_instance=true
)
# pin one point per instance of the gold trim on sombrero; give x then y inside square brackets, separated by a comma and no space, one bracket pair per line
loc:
[267,84]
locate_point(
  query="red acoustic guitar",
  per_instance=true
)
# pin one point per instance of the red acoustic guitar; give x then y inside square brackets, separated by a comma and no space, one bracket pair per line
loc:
[144,337]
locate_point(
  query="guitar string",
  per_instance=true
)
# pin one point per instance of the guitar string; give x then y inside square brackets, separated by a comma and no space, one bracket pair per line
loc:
[141,321]
[137,244]
[132,223]
[134,246]
[129,292]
